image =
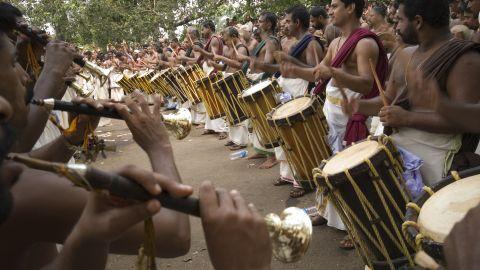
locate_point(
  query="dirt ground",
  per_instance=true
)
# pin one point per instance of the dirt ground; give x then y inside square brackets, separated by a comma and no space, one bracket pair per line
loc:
[201,158]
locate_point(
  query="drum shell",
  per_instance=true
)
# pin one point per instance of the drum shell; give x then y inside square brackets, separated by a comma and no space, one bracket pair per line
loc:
[257,106]
[303,138]
[212,102]
[172,79]
[339,185]
[228,89]
[187,77]
[433,248]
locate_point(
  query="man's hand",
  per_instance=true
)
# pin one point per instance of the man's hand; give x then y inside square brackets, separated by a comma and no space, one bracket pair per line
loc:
[236,234]
[394,116]
[104,221]
[322,72]
[84,122]
[350,106]
[59,57]
[217,57]
[147,127]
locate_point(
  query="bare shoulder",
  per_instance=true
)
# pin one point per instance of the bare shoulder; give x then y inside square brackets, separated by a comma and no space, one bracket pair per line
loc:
[367,45]
[469,60]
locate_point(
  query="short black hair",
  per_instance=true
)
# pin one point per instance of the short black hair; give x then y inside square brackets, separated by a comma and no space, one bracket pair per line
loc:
[380,9]
[300,13]
[232,32]
[8,16]
[435,13]
[209,24]
[359,6]
[195,33]
[318,11]
[272,18]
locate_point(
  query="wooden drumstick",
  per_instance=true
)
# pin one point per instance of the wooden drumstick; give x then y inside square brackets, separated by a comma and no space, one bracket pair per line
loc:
[234,48]
[379,85]
[173,51]
[189,38]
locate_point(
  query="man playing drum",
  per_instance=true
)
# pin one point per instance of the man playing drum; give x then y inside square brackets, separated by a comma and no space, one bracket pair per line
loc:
[238,134]
[263,53]
[345,71]
[453,63]
[213,46]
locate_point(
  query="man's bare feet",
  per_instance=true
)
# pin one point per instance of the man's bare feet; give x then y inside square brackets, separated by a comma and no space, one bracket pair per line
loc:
[208,132]
[236,147]
[257,156]
[280,182]
[297,192]
[200,126]
[222,135]
[229,143]
[269,163]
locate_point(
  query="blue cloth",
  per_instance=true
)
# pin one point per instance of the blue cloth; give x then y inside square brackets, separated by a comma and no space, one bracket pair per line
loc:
[411,175]
[299,48]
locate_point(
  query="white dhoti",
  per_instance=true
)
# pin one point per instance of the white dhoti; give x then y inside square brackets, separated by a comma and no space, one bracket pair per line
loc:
[286,173]
[254,77]
[198,113]
[296,88]
[116,91]
[258,147]
[238,134]
[217,125]
[436,151]
[337,123]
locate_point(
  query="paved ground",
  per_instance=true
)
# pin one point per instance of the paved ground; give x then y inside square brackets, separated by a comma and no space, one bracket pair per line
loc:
[202,158]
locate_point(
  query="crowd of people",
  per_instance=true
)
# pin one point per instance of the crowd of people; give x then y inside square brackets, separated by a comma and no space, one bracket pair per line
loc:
[426,54]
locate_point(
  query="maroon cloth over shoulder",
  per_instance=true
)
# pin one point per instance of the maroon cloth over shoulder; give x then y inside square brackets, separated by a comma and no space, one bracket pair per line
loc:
[356,129]
[207,48]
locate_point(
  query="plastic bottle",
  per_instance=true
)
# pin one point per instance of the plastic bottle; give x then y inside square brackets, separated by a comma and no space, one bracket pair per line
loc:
[239,155]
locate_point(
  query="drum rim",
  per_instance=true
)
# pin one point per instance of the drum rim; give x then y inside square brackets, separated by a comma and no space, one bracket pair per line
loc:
[339,178]
[311,108]
[251,97]
[433,248]
[229,77]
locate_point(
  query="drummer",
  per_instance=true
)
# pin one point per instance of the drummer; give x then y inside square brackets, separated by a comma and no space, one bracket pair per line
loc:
[263,53]
[440,143]
[229,61]
[307,52]
[346,65]
[213,46]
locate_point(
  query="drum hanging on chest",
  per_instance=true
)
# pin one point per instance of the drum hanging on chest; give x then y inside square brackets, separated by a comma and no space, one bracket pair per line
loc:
[365,184]
[258,101]
[227,90]
[213,106]
[187,77]
[303,129]
[432,216]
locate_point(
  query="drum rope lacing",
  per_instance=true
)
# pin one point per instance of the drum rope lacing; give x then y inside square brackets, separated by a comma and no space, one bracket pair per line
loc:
[419,238]
[260,123]
[226,101]
[343,208]
[297,161]
[208,98]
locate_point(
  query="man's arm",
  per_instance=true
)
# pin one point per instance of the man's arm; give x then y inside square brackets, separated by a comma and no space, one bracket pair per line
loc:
[362,83]
[462,87]
[50,84]
[314,54]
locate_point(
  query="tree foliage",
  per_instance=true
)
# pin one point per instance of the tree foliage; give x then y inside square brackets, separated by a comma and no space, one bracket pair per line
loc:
[100,22]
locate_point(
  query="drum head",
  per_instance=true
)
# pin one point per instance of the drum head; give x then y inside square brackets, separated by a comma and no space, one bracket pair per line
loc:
[292,107]
[352,157]
[256,88]
[447,207]
[155,77]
